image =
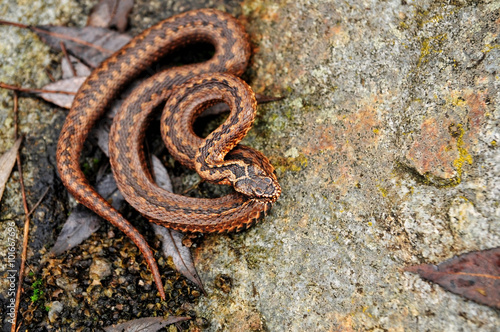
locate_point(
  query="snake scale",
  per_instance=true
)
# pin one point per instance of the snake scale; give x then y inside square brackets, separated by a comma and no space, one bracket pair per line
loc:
[188,90]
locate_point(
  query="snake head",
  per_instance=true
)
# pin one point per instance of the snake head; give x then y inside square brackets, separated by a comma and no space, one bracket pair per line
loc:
[255,175]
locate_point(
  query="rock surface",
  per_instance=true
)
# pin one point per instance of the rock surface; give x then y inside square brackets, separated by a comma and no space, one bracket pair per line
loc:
[386,147]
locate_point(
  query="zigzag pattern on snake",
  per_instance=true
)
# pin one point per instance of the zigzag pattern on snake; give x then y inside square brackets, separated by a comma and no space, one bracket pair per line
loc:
[240,167]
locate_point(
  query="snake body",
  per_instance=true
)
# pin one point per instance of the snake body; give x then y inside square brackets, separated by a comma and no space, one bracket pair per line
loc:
[213,157]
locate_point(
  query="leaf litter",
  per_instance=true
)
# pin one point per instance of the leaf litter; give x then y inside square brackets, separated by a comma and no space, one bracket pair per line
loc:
[150,324]
[90,44]
[7,161]
[71,84]
[80,68]
[111,13]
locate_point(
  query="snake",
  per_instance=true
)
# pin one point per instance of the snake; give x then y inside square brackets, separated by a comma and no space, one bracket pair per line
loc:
[185,91]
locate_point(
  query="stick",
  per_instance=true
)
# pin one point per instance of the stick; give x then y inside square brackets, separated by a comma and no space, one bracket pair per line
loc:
[26,220]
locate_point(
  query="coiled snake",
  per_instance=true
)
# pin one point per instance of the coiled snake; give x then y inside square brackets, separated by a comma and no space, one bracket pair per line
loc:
[188,90]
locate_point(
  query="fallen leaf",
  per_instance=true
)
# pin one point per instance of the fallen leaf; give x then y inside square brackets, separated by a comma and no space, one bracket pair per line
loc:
[160,174]
[475,275]
[107,188]
[111,13]
[69,85]
[181,255]
[81,69]
[89,44]
[82,222]
[101,133]
[145,324]
[7,161]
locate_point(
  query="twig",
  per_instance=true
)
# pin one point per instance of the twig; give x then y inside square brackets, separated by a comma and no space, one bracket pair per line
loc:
[20,89]
[16,120]
[38,203]
[49,74]
[26,221]
[14,24]
[66,55]
[73,39]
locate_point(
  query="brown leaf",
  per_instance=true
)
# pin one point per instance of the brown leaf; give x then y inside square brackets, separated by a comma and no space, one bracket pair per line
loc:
[81,69]
[160,174]
[145,324]
[111,13]
[475,275]
[181,255]
[7,161]
[63,100]
[90,44]
[82,222]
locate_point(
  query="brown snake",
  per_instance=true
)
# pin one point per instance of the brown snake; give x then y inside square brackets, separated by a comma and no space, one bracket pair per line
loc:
[188,94]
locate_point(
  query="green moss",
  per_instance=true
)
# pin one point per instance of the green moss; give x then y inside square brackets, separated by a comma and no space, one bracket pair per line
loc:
[37,292]
[90,166]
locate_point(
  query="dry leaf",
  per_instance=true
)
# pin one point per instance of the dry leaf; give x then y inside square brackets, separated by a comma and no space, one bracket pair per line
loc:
[81,69]
[475,275]
[82,222]
[160,174]
[90,44]
[150,324]
[7,161]
[62,100]
[181,255]
[107,188]
[111,13]
[101,133]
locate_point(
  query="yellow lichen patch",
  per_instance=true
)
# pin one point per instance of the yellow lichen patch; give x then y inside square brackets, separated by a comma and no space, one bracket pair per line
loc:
[294,164]
[430,46]
[382,190]
[430,152]
[443,146]
[464,156]
[488,47]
